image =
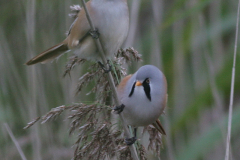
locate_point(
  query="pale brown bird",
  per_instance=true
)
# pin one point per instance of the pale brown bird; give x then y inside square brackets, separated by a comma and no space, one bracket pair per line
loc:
[143,96]
[110,18]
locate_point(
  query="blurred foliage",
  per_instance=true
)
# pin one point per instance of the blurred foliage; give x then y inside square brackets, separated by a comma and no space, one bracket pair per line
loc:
[191,41]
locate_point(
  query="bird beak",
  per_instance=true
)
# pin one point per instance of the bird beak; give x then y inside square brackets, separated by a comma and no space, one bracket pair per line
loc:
[138,83]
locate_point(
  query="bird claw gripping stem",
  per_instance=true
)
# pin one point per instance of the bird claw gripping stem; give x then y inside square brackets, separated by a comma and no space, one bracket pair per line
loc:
[130,141]
[118,109]
[103,67]
[94,33]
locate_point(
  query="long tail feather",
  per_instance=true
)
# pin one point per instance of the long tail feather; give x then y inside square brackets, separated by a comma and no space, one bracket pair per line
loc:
[157,124]
[49,54]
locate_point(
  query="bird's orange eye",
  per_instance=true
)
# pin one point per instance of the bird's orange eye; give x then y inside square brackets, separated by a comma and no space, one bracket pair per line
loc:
[147,80]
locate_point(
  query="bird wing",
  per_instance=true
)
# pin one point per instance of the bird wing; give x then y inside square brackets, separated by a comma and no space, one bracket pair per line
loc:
[157,124]
[77,33]
[122,86]
[80,28]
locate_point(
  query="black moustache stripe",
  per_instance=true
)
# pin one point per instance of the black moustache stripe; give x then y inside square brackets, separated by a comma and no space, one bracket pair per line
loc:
[147,89]
[133,87]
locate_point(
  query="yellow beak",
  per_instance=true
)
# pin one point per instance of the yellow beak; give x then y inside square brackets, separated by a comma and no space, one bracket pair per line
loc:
[138,83]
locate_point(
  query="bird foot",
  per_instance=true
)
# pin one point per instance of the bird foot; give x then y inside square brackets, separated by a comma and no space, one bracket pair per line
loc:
[130,141]
[103,67]
[118,109]
[94,33]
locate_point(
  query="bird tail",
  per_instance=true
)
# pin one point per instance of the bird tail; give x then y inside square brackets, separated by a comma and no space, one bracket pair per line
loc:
[49,54]
[157,124]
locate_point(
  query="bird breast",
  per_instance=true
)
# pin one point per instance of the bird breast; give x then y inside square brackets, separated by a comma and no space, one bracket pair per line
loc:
[139,110]
[112,22]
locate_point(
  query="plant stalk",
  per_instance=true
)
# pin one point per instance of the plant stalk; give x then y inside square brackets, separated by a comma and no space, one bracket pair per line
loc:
[111,82]
[232,89]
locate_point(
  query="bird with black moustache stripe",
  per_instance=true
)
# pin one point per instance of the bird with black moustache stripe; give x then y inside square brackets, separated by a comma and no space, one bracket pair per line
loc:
[143,96]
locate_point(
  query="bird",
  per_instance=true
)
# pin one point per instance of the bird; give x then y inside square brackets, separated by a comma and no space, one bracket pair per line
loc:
[143,98]
[111,20]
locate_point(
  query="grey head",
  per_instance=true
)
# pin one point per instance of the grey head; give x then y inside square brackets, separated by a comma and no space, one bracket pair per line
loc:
[149,71]
[152,80]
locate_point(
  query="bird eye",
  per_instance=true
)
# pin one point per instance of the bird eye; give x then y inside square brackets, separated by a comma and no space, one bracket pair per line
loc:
[147,80]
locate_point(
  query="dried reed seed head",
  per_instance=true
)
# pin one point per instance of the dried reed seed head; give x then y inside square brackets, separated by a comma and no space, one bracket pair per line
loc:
[95,73]
[123,56]
[48,116]
[95,135]
[142,152]
[129,55]
[32,123]
[155,139]
[100,140]
[75,9]
[97,138]
[73,61]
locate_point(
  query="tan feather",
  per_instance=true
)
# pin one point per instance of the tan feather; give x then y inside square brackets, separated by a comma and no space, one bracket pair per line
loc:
[121,86]
[157,124]
[49,54]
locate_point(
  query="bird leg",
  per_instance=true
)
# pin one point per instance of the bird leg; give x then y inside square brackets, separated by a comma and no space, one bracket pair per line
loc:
[94,33]
[103,67]
[118,109]
[130,141]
